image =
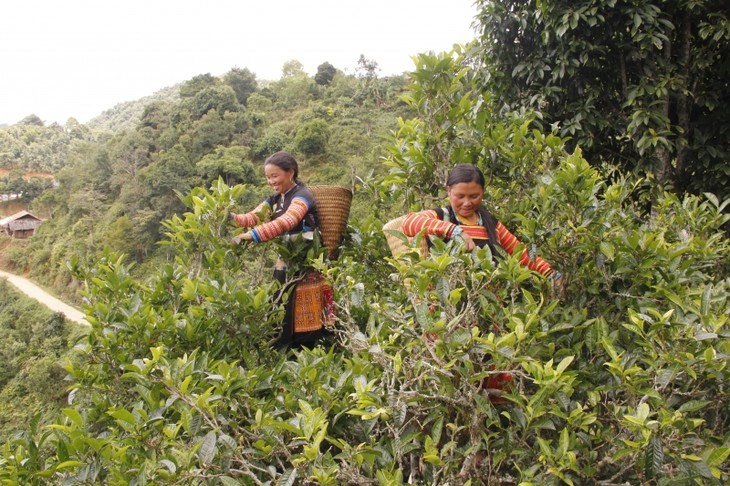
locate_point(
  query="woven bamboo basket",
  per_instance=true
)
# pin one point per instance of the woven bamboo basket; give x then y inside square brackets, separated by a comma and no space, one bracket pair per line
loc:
[333,209]
[396,243]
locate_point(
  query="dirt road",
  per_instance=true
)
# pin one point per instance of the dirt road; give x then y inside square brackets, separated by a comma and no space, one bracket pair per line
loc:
[32,290]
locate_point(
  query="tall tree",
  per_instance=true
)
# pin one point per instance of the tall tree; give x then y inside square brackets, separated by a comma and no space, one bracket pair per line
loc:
[311,138]
[232,164]
[31,120]
[370,86]
[640,83]
[128,152]
[325,74]
[243,83]
[292,68]
[219,97]
[192,86]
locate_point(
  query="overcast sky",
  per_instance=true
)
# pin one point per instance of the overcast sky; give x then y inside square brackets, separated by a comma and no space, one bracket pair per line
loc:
[77,58]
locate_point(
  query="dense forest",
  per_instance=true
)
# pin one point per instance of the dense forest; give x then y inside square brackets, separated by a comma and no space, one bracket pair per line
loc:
[600,128]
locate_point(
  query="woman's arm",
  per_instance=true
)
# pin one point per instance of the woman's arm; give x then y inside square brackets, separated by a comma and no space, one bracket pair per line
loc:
[249,219]
[298,208]
[429,221]
[509,242]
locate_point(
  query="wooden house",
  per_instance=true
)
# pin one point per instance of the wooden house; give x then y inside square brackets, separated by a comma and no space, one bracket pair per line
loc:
[20,225]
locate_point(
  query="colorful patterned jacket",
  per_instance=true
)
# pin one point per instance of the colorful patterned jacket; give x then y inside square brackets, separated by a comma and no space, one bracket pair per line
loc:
[443,222]
[294,212]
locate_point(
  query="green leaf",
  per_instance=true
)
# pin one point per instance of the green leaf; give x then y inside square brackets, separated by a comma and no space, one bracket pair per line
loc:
[608,250]
[196,421]
[703,336]
[608,347]
[694,405]
[189,291]
[207,450]
[358,294]
[123,415]
[712,198]
[705,302]
[229,441]
[169,465]
[442,290]
[718,456]
[653,457]
[68,464]
[455,296]
[564,364]
[184,385]
[436,429]
[74,416]
[288,478]
[397,362]
[564,442]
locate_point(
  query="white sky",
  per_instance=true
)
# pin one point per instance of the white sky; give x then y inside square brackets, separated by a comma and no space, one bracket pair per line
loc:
[77,58]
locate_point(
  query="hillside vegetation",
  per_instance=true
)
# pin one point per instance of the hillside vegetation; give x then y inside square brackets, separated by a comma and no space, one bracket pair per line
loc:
[127,115]
[619,376]
[34,343]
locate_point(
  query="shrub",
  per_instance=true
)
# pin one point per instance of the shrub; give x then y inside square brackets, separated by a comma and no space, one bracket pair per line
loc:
[17,258]
[623,378]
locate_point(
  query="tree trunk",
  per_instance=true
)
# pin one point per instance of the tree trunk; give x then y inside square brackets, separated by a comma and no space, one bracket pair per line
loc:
[684,107]
[663,171]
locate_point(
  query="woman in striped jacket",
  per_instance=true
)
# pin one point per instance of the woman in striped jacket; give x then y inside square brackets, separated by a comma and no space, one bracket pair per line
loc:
[466,220]
[291,214]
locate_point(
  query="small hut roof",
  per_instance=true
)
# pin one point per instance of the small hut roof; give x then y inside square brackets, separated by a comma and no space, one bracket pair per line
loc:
[24,216]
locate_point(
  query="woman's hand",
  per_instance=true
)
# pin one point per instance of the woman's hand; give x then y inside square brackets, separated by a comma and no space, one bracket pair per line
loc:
[467,241]
[558,284]
[236,240]
[458,234]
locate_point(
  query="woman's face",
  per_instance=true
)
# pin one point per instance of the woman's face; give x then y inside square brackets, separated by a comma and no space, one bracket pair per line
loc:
[465,198]
[280,180]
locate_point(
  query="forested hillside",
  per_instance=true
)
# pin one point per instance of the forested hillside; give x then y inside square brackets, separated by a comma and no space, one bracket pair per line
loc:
[31,146]
[127,115]
[617,376]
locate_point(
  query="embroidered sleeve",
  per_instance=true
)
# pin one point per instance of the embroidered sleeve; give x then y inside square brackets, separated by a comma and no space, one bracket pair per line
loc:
[509,242]
[250,219]
[293,215]
[427,220]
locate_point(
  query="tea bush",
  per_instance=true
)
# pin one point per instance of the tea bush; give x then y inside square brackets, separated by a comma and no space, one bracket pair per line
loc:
[618,377]
[621,378]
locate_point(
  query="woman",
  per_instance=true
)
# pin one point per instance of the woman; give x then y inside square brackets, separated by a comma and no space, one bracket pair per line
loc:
[466,220]
[292,215]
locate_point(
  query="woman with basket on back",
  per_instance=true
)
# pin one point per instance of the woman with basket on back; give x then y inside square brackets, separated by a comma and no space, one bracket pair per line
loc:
[293,216]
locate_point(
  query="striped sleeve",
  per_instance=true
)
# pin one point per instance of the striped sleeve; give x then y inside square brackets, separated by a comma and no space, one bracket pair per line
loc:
[293,215]
[427,220]
[509,242]
[250,219]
